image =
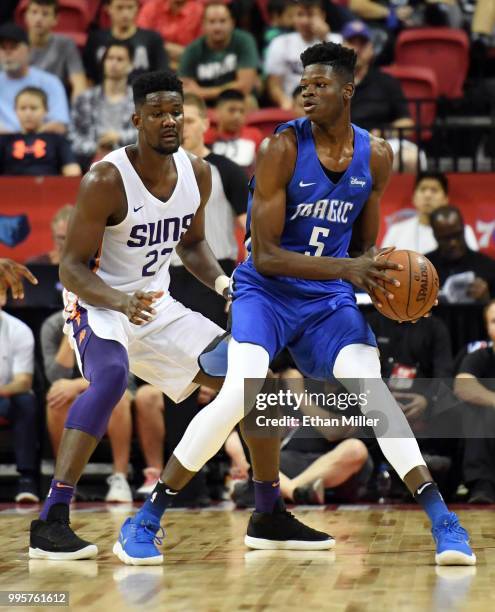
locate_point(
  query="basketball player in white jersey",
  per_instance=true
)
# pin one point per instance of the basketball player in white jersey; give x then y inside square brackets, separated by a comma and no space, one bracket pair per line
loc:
[134,208]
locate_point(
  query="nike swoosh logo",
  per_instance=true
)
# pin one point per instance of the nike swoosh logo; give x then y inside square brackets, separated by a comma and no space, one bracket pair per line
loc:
[169,492]
[136,209]
[421,489]
[62,486]
[302,184]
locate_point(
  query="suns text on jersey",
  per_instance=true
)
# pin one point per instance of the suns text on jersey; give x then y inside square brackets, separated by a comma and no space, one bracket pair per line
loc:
[164,230]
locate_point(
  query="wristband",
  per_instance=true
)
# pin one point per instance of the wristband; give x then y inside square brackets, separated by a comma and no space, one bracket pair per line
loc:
[221,283]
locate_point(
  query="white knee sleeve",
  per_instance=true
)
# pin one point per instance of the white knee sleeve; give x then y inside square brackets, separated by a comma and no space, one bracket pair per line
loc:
[358,366]
[211,426]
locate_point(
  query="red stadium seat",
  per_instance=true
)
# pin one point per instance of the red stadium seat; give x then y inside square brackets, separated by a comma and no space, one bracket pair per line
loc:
[267,119]
[418,83]
[73,19]
[444,50]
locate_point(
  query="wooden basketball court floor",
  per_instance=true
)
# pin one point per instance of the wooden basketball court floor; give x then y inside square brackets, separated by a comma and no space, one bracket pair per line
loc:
[383,561]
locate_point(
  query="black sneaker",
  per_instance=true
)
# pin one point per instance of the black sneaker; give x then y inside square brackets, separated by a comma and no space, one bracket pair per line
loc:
[27,491]
[483,492]
[280,530]
[54,539]
[311,494]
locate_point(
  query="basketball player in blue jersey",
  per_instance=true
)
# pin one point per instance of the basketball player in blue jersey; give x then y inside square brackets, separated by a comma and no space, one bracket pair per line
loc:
[318,182]
[135,207]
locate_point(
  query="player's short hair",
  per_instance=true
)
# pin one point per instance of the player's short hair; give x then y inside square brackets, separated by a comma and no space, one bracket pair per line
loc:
[434,176]
[53,3]
[229,95]
[124,44]
[151,82]
[62,214]
[445,211]
[34,91]
[341,59]
[194,100]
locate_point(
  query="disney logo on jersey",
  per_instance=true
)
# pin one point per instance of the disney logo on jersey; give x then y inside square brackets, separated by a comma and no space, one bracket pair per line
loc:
[335,211]
[356,180]
[165,230]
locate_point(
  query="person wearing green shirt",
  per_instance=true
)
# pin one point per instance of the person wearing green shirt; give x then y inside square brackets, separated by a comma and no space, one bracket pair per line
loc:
[223,58]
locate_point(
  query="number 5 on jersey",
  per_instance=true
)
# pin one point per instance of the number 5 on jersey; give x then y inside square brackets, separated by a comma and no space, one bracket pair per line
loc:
[315,242]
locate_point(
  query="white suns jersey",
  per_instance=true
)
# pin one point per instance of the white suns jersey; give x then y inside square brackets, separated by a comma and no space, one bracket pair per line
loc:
[135,254]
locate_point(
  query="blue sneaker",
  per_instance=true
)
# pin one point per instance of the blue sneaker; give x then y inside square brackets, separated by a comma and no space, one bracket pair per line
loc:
[452,542]
[137,543]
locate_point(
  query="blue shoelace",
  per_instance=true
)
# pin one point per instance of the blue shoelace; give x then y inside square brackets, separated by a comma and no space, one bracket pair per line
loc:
[146,534]
[451,524]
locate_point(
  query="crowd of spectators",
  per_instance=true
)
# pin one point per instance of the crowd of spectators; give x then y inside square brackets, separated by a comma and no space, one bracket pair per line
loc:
[216,47]
[64,105]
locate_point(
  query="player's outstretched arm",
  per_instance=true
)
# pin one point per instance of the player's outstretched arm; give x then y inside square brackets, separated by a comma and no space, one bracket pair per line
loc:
[274,167]
[100,202]
[193,249]
[11,275]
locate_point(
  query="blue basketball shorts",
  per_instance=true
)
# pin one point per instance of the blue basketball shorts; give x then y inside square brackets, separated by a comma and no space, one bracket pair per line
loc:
[314,328]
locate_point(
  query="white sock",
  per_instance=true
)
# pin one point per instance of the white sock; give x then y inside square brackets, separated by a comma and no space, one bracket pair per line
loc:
[360,363]
[211,426]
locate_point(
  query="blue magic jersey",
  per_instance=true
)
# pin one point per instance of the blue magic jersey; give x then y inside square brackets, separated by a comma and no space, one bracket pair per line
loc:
[320,214]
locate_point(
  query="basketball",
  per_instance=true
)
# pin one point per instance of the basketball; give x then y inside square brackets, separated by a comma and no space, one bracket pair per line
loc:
[418,287]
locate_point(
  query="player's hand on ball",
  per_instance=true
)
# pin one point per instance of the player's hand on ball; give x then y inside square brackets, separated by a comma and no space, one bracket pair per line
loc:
[138,307]
[367,269]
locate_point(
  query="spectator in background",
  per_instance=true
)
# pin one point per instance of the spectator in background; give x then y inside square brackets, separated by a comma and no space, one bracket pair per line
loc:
[54,53]
[379,102]
[224,58]
[66,385]
[149,53]
[465,275]
[312,458]
[283,67]
[475,384]
[59,225]
[177,21]
[18,406]
[32,152]
[17,74]
[226,209]
[101,116]
[430,192]
[281,15]
[297,102]
[231,137]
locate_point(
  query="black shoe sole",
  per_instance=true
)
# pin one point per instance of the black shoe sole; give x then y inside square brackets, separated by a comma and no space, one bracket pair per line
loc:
[264,544]
[88,552]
